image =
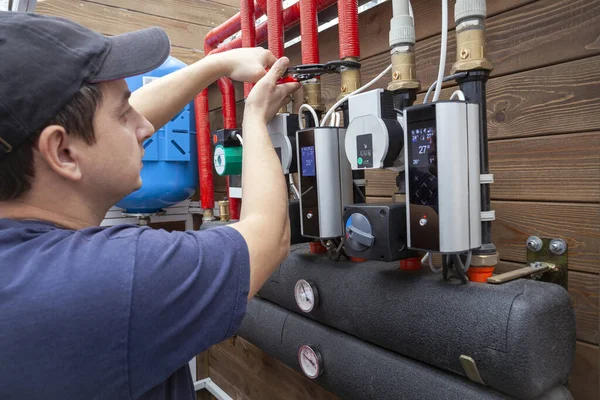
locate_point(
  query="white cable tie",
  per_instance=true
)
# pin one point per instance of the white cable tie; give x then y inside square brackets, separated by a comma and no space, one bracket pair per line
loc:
[488,215]
[486,179]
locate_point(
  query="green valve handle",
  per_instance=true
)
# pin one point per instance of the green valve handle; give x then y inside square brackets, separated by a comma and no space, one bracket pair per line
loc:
[228,160]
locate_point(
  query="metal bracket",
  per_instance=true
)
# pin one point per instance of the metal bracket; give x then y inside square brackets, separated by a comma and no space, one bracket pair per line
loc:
[212,387]
[547,260]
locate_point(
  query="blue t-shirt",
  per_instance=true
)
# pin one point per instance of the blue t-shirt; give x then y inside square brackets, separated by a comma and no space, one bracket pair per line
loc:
[114,313]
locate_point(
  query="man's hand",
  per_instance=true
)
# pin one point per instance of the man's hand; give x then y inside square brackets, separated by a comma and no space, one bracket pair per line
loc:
[247,64]
[267,97]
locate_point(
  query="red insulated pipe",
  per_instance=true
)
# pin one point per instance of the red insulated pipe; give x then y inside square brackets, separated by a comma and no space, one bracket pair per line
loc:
[229,122]
[309,32]
[348,29]
[275,27]
[248,31]
[230,27]
[207,188]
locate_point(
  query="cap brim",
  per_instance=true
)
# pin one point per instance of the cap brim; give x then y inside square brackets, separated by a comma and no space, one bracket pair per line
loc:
[134,53]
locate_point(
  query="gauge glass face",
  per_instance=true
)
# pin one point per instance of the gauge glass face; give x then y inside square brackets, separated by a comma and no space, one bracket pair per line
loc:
[219,160]
[309,362]
[305,296]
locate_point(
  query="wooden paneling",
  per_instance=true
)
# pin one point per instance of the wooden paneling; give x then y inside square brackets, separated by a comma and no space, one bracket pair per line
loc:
[188,56]
[196,12]
[549,168]
[583,289]
[521,39]
[584,381]
[577,224]
[557,99]
[112,21]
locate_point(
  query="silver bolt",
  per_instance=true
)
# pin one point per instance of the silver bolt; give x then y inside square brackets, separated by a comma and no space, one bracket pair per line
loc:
[558,246]
[534,243]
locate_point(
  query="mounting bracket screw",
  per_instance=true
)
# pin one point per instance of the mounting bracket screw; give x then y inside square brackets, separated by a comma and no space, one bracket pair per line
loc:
[558,246]
[534,243]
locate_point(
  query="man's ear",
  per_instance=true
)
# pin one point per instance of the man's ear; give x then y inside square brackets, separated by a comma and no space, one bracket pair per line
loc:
[60,151]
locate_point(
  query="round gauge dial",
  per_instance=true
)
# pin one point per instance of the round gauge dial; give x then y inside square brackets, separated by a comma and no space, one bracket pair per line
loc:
[306,295]
[310,361]
[219,159]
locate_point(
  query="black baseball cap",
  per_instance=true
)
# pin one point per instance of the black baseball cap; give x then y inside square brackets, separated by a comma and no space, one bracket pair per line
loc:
[44,61]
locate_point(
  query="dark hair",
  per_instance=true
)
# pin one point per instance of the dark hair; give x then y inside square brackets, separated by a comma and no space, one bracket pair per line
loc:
[17,168]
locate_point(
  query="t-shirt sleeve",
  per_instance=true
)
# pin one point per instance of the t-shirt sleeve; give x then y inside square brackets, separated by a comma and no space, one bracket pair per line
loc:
[189,292]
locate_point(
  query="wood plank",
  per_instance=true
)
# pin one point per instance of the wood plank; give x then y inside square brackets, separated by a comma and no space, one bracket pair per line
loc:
[241,378]
[188,56]
[227,386]
[532,169]
[518,40]
[558,99]
[584,382]
[197,12]
[583,289]
[113,21]
[577,224]
[279,376]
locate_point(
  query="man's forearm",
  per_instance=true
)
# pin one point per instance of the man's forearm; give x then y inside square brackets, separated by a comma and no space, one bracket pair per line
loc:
[161,100]
[263,182]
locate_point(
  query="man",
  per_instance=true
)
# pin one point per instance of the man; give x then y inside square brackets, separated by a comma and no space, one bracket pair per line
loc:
[116,313]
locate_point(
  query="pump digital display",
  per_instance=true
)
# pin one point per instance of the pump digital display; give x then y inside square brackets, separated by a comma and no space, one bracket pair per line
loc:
[423,147]
[307,155]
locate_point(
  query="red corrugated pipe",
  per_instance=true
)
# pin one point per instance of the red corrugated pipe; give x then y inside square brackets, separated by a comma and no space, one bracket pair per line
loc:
[248,31]
[229,122]
[309,32]
[291,16]
[207,189]
[275,27]
[348,29]
[230,27]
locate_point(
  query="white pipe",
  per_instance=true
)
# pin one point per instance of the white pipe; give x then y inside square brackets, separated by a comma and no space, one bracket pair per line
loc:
[401,7]
[440,78]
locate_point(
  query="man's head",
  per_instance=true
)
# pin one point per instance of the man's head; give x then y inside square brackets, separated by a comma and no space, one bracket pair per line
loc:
[65,119]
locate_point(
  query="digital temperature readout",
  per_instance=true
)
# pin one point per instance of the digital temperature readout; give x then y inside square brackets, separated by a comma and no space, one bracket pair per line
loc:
[423,146]
[307,156]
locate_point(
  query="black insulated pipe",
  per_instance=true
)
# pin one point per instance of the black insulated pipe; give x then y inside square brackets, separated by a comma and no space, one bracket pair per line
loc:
[473,85]
[354,369]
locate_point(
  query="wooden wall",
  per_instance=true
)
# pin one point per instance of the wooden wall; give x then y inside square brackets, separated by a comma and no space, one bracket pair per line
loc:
[185,21]
[544,132]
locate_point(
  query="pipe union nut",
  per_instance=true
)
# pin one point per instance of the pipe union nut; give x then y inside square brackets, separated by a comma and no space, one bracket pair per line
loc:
[469,9]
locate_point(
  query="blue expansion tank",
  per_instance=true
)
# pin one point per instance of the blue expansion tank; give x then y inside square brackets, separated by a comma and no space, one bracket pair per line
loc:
[170,171]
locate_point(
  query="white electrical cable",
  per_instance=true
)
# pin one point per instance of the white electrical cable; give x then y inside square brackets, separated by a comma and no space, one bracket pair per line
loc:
[312,111]
[293,186]
[444,46]
[357,91]
[239,137]
[459,94]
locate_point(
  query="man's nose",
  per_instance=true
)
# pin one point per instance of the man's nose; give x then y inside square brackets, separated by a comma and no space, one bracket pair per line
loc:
[145,130]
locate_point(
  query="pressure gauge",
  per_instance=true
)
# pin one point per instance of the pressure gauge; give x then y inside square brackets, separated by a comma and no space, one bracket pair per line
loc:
[310,361]
[307,297]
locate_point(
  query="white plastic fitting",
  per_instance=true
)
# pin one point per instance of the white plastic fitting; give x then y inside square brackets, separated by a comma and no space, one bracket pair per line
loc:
[402,24]
[469,9]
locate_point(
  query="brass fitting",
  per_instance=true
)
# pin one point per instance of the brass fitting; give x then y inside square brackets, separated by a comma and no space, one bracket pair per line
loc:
[404,72]
[208,215]
[312,94]
[485,260]
[471,48]
[350,80]
[224,210]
